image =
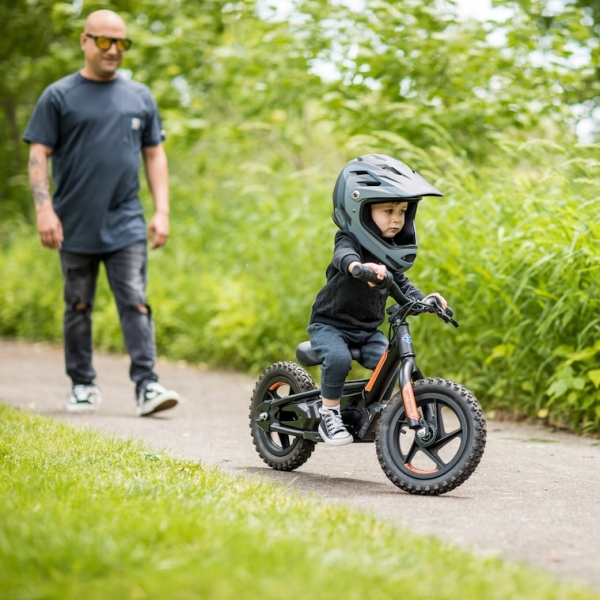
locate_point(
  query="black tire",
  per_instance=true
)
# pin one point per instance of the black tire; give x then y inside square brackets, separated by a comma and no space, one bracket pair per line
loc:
[280,451]
[456,445]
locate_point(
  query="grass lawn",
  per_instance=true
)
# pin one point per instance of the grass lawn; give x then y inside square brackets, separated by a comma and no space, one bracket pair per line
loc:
[83,515]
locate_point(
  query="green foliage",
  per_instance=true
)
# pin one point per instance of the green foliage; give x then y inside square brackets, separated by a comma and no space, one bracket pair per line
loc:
[512,247]
[519,259]
[30,290]
[255,142]
[37,46]
[416,71]
[89,516]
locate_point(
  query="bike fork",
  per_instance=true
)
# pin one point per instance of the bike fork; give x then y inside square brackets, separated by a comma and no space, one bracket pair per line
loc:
[408,368]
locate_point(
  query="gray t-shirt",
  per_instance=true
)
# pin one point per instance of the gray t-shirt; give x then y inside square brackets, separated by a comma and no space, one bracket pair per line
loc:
[96,131]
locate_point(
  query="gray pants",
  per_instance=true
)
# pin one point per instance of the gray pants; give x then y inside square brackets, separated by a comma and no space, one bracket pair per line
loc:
[332,345]
[126,270]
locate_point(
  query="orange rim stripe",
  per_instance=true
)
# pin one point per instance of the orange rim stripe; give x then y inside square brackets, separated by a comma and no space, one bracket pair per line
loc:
[419,471]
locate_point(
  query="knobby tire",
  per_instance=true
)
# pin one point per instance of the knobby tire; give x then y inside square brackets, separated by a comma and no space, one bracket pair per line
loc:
[459,406]
[280,451]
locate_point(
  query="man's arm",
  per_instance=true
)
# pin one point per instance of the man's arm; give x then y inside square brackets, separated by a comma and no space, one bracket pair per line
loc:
[157,173]
[48,224]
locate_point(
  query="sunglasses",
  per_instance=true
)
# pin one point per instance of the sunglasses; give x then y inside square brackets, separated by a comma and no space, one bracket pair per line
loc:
[104,43]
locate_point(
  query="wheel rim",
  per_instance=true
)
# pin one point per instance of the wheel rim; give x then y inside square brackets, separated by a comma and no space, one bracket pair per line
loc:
[278,444]
[434,457]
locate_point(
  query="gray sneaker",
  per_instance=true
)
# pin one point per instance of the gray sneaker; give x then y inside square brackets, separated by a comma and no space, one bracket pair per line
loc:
[331,428]
[84,398]
[154,398]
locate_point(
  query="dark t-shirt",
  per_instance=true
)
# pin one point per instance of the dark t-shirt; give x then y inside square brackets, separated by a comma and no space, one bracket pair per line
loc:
[96,131]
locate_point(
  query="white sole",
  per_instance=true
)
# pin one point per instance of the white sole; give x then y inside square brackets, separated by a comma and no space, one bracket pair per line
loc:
[159,404]
[330,442]
[86,408]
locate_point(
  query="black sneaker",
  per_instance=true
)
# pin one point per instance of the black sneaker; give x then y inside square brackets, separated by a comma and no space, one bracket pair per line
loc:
[331,428]
[154,398]
[84,398]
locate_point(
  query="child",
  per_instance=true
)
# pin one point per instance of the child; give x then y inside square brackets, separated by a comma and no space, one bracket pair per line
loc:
[375,200]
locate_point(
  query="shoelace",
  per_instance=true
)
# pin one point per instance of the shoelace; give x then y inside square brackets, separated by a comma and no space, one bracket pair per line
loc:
[153,390]
[83,394]
[333,422]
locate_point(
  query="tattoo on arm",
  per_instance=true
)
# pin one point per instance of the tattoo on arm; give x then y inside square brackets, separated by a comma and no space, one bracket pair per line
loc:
[39,179]
[40,193]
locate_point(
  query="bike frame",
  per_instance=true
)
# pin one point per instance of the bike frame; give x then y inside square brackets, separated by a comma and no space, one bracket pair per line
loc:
[361,401]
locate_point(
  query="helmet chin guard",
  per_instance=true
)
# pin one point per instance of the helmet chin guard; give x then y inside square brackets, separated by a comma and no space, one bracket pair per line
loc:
[373,179]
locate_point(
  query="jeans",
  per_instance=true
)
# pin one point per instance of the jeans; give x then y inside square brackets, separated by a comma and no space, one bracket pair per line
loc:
[126,270]
[332,345]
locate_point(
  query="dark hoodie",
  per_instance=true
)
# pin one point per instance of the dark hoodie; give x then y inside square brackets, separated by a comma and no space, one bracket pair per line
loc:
[348,303]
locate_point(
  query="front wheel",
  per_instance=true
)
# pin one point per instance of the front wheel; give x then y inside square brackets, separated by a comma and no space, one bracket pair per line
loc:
[280,451]
[450,452]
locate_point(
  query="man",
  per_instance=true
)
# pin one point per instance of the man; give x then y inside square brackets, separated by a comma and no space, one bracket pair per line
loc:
[94,124]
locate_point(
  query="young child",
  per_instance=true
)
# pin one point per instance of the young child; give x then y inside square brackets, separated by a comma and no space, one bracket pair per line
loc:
[375,200]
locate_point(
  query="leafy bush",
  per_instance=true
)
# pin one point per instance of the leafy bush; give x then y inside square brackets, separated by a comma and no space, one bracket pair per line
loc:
[512,246]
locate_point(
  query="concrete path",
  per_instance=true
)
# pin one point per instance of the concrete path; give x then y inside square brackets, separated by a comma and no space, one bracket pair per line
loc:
[535,496]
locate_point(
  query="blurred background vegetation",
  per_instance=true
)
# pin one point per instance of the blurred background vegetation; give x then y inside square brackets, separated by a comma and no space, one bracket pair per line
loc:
[263,104]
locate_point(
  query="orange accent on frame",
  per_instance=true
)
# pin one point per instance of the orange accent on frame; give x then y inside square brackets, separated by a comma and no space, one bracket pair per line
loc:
[373,379]
[276,385]
[410,403]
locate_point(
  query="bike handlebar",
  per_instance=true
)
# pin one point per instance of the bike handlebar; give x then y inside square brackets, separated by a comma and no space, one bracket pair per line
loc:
[431,304]
[366,274]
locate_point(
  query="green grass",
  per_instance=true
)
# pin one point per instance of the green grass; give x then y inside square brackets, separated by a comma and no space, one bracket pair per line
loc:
[88,516]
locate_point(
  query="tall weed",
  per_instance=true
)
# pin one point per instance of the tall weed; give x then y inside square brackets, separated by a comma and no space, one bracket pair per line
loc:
[512,245]
[516,249]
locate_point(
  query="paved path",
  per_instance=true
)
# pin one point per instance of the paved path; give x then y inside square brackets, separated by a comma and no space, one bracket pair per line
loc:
[535,496]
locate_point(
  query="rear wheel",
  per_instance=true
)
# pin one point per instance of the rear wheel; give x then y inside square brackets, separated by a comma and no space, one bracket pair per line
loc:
[280,451]
[450,452]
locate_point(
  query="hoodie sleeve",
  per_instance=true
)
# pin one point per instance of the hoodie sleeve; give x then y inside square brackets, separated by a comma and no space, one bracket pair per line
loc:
[408,288]
[346,250]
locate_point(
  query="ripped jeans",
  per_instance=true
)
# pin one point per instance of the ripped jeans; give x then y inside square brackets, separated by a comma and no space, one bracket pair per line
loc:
[126,270]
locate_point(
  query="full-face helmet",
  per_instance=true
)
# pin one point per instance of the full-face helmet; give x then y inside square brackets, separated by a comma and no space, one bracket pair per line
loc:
[376,178]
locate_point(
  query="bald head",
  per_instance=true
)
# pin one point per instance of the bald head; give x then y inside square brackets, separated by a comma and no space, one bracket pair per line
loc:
[103,18]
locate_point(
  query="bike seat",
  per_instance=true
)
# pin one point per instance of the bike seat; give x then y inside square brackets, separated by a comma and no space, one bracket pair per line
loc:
[309,358]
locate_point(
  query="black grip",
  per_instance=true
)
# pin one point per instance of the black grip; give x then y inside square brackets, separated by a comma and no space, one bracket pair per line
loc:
[366,274]
[435,301]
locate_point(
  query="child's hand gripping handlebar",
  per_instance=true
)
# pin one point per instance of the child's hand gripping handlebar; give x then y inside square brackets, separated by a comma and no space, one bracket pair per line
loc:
[431,304]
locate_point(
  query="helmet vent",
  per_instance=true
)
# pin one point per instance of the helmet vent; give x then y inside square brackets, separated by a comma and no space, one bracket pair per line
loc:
[365,178]
[388,168]
[394,178]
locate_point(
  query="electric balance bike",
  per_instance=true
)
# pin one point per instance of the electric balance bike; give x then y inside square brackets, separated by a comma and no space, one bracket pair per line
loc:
[429,437]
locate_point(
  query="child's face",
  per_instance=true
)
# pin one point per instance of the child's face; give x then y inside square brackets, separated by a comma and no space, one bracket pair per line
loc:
[389,217]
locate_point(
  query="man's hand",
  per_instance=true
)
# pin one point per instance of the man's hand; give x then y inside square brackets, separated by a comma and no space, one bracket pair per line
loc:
[49,227]
[158,230]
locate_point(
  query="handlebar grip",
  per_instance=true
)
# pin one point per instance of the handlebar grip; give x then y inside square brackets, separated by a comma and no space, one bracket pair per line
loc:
[434,301]
[366,274]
